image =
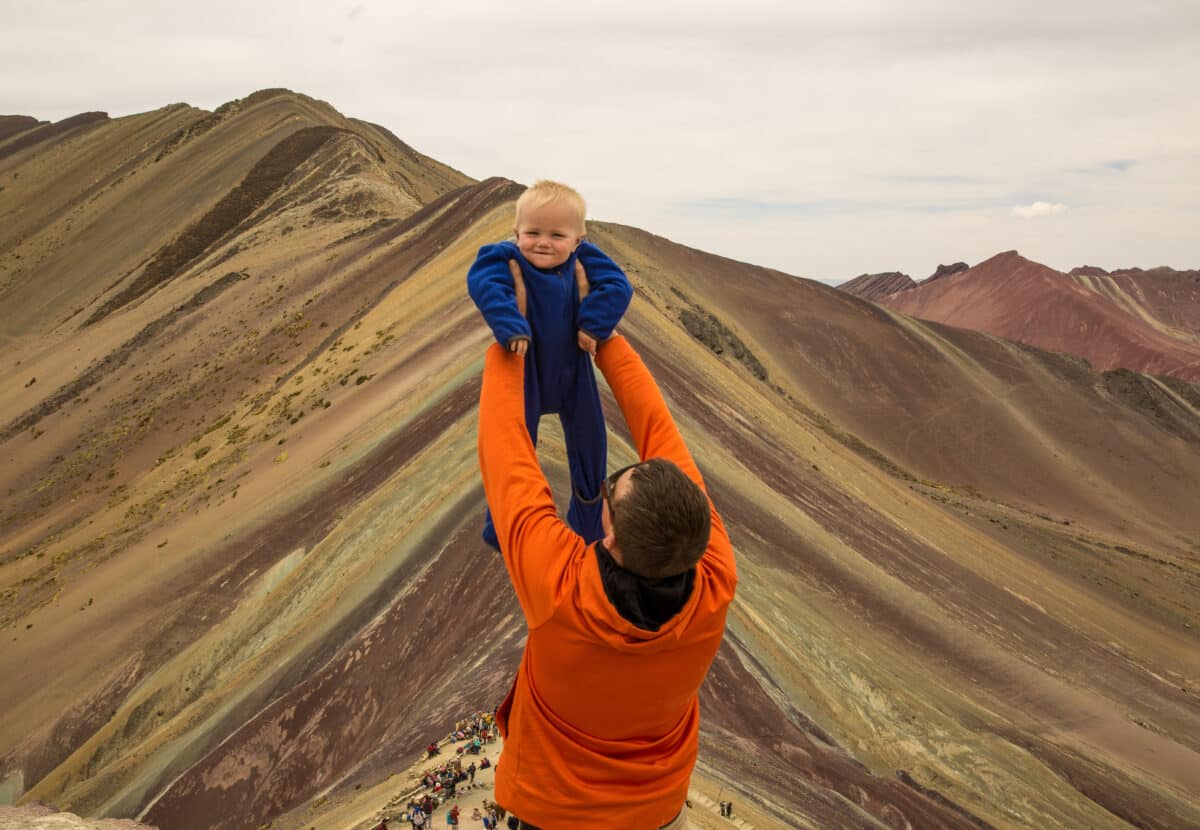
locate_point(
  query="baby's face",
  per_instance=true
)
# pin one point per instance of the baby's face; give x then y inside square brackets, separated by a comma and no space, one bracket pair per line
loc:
[548,234]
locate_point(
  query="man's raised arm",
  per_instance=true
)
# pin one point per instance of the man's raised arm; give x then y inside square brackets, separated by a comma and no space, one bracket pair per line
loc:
[656,436]
[533,539]
[654,432]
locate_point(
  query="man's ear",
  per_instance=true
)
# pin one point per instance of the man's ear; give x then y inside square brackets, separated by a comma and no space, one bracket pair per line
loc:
[610,545]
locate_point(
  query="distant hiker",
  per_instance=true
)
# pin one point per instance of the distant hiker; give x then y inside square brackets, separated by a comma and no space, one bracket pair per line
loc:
[432,749]
[601,724]
[722,809]
[471,772]
[729,809]
[551,297]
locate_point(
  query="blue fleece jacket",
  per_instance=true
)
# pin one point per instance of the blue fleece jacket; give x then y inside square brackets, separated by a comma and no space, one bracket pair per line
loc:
[559,377]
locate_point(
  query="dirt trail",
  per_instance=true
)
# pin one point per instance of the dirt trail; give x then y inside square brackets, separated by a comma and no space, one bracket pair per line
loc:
[389,799]
[703,809]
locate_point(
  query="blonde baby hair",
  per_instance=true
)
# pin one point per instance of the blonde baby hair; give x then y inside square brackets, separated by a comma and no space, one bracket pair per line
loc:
[545,192]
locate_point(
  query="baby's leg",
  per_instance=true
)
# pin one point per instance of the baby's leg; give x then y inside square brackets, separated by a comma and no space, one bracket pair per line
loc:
[587,452]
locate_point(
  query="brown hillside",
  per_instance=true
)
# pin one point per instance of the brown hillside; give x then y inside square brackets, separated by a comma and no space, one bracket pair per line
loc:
[10,125]
[24,138]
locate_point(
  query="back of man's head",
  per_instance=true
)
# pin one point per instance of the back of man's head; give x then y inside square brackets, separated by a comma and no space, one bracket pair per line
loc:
[662,522]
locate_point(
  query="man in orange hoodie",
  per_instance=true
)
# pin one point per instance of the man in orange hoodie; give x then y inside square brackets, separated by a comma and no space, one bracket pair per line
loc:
[601,725]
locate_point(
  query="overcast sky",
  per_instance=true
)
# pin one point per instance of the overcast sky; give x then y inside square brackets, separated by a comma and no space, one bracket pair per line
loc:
[826,139]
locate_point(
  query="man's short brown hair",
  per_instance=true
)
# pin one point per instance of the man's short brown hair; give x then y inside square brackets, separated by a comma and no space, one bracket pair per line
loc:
[662,522]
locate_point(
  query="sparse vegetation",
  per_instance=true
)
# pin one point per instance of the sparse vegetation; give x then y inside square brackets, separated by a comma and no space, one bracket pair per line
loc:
[263,179]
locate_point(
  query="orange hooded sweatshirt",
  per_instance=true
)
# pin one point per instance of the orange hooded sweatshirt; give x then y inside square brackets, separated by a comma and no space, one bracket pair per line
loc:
[601,726]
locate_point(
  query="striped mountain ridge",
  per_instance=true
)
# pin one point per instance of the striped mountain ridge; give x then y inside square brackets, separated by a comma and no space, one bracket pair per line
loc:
[240,570]
[1141,320]
[875,286]
[1166,298]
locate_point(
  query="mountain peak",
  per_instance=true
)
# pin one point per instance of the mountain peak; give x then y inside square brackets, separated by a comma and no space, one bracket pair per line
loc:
[1011,264]
[1005,257]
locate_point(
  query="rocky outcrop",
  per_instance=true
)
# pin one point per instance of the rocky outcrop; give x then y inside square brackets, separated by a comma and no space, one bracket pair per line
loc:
[714,334]
[875,286]
[946,271]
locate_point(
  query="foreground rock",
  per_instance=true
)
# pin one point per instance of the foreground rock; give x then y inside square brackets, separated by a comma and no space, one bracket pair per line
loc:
[43,817]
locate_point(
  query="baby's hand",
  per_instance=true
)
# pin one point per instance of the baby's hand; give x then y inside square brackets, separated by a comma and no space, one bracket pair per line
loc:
[587,343]
[518,346]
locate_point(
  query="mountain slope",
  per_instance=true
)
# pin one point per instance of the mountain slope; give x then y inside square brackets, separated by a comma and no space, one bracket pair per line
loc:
[240,554]
[1015,298]
[1164,297]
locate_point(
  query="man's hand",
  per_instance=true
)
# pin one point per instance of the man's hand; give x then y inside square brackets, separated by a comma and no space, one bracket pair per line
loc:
[518,288]
[581,280]
[518,345]
[587,342]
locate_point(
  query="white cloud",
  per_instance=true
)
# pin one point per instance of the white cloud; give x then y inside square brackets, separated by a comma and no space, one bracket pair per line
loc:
[1039,209]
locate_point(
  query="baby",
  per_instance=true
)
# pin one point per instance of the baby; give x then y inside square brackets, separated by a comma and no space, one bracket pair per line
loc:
[552,296]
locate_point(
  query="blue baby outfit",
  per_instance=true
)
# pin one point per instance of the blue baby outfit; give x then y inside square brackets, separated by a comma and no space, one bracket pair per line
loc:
[558,374]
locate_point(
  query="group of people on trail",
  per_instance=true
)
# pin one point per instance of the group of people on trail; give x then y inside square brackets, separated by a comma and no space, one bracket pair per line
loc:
[727,809]
[442,786]
[443,783]
[625,602]
[473,733]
